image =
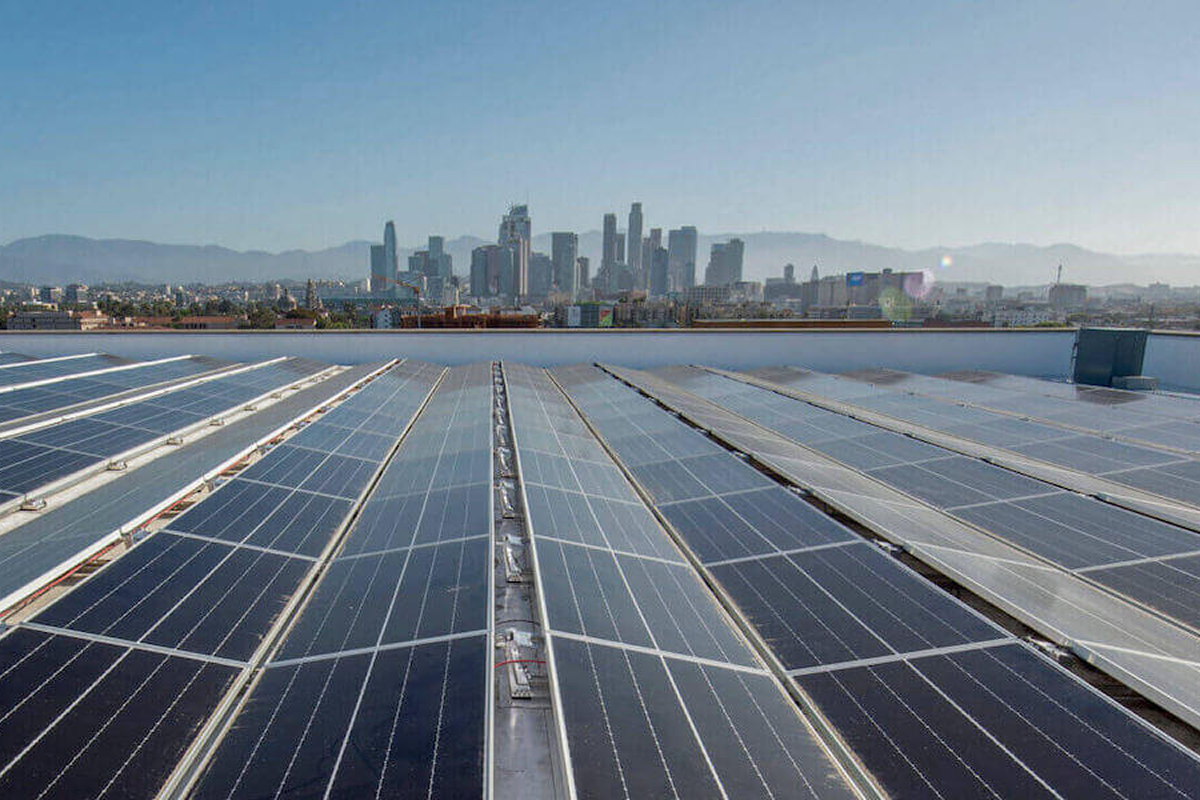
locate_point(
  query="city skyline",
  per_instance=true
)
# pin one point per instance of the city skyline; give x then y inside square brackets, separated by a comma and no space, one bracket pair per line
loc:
[911,127]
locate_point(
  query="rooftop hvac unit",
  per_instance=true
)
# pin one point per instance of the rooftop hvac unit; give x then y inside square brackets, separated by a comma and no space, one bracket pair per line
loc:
[1110,357]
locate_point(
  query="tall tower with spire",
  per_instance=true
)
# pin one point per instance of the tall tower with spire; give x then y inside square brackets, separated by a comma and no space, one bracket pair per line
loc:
[389,250]
[516,232]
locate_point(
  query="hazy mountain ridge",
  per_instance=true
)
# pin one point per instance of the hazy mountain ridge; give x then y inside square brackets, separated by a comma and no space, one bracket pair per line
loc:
[62,259]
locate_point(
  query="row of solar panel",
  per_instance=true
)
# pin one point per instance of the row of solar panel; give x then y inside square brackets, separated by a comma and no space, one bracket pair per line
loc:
[1067,529]
[9,357]
[660,696]
[180,617]
[380,686]
[44,545]
[18,402]
[37,459]
[1152,458]
[28,370]
[1156,657]
[894,663]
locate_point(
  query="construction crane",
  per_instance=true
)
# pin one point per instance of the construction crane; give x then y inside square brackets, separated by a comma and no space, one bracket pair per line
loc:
[416,290]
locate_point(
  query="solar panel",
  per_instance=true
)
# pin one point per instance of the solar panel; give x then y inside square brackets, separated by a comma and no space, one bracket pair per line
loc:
[8,357]
[80,718]
[42,369]
[381,683]
[1136,441]
[638,644]
[44,546]
[837,612]
[1168,585]
[1070,530]
[178,599]
[18,402]
[43,457]
[1142,650]
[1009,725]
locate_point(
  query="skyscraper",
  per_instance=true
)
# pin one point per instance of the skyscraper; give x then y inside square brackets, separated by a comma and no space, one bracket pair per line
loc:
[564,251]
[379,270]
[441,263]
[608,255]
[585,273]
[493,272]
[389,249]
[725,263]
[657,270]
[634,244]
[433,261]
[681,258]
[516,231]
[541,275]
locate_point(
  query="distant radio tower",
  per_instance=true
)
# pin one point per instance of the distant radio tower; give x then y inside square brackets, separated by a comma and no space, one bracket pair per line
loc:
[1059,279]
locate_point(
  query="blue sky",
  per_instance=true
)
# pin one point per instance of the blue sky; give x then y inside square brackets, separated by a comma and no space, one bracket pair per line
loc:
[279,125]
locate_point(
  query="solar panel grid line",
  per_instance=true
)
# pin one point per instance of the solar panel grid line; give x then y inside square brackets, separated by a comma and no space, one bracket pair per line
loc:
[7,767]
[1101,698]
[793,551]
[1119,434]
[843,759]
[269,484]
[901,656]
[9,357]
[604,549]
[1135,561]
[1000,745]
[190,767]
[128,525]
[659,653]
[96,462]
[358,651]
[1110,703]
[1085,649]
[133,645]
[996,594]
[420,546]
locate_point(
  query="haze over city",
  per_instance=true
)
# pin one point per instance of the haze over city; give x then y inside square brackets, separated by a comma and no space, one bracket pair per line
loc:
[296,126]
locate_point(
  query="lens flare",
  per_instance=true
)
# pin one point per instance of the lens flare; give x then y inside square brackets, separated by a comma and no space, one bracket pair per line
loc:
[918,284]
[947,261]
[895,305]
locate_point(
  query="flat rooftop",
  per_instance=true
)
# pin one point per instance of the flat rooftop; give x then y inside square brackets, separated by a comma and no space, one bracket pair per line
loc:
[576,565]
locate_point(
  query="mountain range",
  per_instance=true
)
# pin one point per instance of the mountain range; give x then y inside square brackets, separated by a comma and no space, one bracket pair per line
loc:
[62,259]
